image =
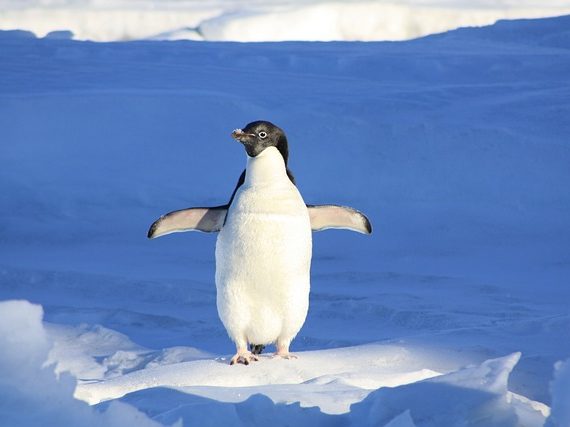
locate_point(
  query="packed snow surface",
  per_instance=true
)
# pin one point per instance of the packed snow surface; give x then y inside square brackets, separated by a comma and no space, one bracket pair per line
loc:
[257,20]
[455,311]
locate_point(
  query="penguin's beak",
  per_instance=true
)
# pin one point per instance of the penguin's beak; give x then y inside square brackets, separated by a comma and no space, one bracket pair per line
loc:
[240,135]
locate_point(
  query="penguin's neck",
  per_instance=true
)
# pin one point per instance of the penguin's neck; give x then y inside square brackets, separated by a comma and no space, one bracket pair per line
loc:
[268,167]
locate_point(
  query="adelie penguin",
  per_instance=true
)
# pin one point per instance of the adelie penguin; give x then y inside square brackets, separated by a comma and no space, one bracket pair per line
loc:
[264,249]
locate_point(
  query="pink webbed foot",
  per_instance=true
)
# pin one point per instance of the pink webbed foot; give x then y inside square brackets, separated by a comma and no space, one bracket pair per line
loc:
[283,352]
[288,356]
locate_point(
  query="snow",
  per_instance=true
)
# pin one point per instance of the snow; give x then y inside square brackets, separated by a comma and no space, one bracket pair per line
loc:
[455,146]
[560,389]
[330,379]
[321,20]
[364,20]
[31,393]
[477,395]
[333,386]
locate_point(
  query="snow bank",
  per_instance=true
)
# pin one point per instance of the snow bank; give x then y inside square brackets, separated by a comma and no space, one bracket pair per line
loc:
[262,21]
[476,395]
[560,389]
[365,21]
[31,393]
[472,396]
[330,379]
[103,24]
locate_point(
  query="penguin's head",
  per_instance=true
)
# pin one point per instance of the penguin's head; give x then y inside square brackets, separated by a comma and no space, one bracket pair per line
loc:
[259,135]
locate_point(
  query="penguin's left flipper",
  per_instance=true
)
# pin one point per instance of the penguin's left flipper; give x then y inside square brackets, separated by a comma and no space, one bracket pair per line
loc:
[207,220]
[324,217]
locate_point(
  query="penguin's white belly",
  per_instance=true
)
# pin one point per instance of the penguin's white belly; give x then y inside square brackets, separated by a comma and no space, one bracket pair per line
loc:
[263,258]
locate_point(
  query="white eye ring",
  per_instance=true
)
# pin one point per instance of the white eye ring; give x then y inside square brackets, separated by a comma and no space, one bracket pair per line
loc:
[262,135]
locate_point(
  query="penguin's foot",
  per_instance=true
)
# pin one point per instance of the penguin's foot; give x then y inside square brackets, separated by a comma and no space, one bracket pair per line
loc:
[243,356]
[287,355]
[283,352]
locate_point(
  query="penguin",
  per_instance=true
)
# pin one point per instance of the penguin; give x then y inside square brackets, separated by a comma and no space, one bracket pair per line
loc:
[264,246]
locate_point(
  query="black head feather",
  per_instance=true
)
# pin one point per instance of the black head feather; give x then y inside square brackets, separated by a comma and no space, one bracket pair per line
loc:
[259,135]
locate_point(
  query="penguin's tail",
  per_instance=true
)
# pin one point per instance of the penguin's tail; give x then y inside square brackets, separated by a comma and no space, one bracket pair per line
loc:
[256,348]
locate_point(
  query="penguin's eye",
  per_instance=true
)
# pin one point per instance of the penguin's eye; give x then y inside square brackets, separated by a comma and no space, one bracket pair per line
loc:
[262,134]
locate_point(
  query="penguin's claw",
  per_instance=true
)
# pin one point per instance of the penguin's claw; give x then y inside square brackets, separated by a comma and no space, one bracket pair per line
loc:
[287,356]
[243,357]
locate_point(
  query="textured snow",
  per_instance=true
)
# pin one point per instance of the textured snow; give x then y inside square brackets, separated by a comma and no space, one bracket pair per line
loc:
[329,379]
[455,145]
[31,393]
[477,395]
[365,20]
[322,20]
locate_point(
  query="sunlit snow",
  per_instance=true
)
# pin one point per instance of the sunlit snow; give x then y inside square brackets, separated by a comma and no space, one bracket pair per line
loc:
[277,20]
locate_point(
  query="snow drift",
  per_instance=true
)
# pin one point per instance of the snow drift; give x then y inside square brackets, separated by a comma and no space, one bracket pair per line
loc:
[261,21]
[32,395]
[351,21]
[477,395]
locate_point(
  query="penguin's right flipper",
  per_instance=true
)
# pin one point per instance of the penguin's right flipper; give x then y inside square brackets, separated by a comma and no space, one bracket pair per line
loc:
[324,217]
[207,220]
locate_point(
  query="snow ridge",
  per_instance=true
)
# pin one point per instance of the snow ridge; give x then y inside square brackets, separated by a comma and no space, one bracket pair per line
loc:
[31,393]
[363,20]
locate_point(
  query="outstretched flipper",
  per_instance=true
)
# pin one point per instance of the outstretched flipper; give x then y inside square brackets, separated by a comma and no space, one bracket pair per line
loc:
[324,217]
[207,220]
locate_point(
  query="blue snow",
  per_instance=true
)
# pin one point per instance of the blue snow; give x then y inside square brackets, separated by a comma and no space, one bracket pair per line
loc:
[455,145]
